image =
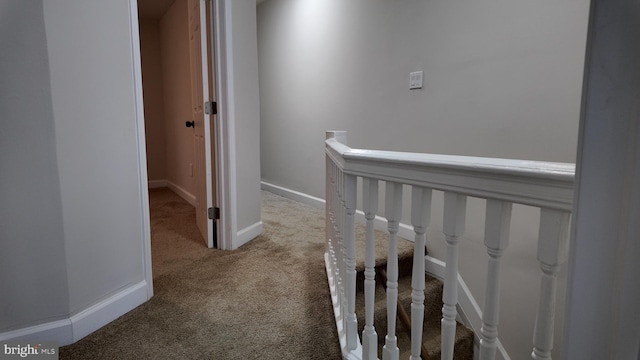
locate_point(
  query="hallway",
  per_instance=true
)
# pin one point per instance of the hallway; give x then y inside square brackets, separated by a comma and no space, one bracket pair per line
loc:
[267,300]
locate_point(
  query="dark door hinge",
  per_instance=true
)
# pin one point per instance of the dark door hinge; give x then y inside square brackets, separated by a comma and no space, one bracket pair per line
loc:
[214,213]
[210,107]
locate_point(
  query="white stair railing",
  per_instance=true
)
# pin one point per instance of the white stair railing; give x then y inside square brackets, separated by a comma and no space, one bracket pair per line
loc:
[502,182]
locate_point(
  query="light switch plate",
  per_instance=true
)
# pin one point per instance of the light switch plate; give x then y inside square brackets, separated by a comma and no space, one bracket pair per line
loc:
[415,80]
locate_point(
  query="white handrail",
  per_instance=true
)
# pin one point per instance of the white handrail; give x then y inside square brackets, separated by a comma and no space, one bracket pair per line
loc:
[502,182]
[534,183]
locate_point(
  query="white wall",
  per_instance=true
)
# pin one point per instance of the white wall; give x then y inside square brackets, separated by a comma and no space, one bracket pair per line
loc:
[73,228]
[244,112]
[33,275]
[90,58]
[501,79]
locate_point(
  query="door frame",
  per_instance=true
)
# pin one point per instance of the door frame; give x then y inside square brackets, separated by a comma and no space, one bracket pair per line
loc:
[224,129]
[224,125]
[143,177]
[206,51]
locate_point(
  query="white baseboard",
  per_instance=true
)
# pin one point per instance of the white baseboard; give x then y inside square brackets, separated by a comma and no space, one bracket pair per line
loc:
[469,312]
[69,330]
[293,195]
[156,184]
[247,234]
[379,223]
[59,331]
[187,196]
[109,309]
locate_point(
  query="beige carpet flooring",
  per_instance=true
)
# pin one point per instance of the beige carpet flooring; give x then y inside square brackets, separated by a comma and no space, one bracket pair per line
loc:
[267,300]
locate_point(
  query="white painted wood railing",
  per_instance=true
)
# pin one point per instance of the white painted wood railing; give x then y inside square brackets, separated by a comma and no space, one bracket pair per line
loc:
[502,182]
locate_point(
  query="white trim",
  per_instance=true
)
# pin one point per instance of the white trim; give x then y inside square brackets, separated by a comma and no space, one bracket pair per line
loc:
[217,167]
[76,327]
[187,196]
[142,147]
[231,118]
[157,184]
[601,318]
[204,55]
[225,126]
[180,191]
[535,183]
[59,331]
[107,310]
[247,234]
[293,195]
[469,312]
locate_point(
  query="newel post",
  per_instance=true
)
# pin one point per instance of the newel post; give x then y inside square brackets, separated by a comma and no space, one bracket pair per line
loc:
[340,136]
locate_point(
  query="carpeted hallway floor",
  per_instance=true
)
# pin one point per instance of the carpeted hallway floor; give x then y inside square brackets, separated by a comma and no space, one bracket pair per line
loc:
[267,300]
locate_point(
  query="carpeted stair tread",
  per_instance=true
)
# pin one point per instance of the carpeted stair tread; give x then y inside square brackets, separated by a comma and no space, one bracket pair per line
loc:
[433,295]
[405,248]
[463,348]
[432,316]
[405,254]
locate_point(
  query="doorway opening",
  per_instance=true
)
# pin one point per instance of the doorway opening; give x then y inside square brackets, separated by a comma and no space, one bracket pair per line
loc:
[178,80]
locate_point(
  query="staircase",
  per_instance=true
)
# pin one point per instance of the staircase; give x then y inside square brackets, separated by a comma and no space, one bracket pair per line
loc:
[355,175]
[463,349]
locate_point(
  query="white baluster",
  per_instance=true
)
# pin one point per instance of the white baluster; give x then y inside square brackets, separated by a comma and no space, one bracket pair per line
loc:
[337,244]
[350,192]
[393,210]
[370,206]
[330,219]
[496,239]
[553,247]
[341,248]
[420,218]
[327,191]
[454,221]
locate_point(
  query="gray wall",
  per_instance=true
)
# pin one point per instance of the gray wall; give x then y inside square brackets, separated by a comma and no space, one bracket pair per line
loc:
[90,59]
[33,275]
[245,109]
[501,79]
[71,213]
